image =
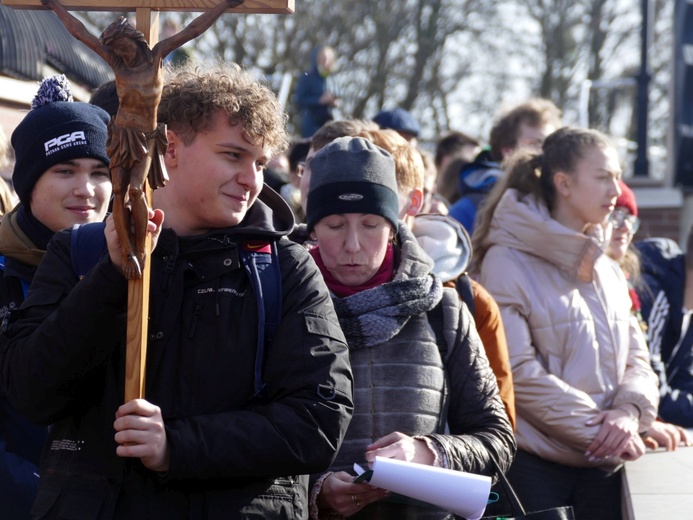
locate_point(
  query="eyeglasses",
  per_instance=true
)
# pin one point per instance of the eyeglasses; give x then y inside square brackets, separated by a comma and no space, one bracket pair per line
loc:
[619,218]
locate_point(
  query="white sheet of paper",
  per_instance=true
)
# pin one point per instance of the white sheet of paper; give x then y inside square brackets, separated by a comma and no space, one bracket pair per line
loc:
[465,494]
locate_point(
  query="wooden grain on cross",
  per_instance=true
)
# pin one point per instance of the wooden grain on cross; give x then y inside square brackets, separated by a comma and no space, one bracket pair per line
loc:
[248,7]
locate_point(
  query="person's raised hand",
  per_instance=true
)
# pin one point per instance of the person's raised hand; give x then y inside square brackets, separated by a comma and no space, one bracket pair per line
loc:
[154,226]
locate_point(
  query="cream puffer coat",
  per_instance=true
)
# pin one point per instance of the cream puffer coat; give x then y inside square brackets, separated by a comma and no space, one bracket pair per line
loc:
[574,348]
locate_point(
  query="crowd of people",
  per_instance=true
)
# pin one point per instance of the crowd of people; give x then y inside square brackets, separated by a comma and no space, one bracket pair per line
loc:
[325,301]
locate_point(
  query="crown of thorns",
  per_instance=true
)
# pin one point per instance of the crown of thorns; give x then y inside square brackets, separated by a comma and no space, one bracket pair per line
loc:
[121,28]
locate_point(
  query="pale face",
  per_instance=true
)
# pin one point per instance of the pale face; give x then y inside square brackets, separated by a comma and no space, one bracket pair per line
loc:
[213,181]
[325,60]
[621,235]
[74,192]
[353,245]
[304,183]
[588,195]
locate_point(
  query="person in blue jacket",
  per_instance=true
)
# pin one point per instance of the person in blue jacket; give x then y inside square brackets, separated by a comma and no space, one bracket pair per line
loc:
[316,94]
[61,177]
[523,127]
[667,306]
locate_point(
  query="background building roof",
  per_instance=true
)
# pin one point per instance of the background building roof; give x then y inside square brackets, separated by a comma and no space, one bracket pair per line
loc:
[33,40]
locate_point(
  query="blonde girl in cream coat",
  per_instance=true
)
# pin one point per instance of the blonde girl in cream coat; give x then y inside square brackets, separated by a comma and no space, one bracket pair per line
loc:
[584,389]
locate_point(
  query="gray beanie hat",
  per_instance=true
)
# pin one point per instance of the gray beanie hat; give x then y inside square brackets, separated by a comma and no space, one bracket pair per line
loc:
[352,175]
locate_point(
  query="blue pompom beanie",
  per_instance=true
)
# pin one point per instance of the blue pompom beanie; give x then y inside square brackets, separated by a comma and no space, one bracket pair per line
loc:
[55,132]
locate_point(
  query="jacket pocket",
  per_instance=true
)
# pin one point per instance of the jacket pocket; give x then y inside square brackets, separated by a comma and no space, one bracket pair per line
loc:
[76,499]
[282,498]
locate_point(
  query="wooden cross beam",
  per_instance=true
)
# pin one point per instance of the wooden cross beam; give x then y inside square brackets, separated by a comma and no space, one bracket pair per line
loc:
[147,22]
[248,7]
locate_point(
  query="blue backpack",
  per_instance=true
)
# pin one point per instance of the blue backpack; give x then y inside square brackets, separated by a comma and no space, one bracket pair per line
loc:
[260,260]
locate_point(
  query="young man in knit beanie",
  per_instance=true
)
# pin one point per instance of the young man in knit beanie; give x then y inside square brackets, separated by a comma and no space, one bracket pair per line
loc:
[61,177]
[227,423]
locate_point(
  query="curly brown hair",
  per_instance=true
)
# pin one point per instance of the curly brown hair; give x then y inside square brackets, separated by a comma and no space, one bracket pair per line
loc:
[195,92]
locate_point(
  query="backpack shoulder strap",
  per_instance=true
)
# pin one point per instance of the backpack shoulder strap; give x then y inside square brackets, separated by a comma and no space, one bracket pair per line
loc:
[261,262]
[444,320]
[87,246]
[463,284]
[25,283]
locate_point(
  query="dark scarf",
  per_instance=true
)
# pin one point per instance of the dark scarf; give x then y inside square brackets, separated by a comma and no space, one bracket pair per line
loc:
[32,228]
[374,316]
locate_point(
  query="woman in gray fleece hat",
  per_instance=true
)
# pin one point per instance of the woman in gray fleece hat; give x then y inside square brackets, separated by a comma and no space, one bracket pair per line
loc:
[418,363]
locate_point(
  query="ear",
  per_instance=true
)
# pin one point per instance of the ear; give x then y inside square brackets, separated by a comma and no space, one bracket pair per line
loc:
[562,183]
[414,204]
[171,155]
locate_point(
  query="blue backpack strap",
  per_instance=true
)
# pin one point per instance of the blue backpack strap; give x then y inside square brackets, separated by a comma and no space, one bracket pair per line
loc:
[261,262]
[25,283]
[87,246]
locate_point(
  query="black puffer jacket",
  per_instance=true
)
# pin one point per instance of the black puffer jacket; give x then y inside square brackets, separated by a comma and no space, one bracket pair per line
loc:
[228,458]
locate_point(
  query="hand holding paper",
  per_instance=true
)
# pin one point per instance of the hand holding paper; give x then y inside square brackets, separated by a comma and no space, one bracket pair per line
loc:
[341,494]
[465,494]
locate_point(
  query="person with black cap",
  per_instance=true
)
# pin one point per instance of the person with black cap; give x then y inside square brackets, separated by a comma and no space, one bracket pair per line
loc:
[61,177]
[386,296]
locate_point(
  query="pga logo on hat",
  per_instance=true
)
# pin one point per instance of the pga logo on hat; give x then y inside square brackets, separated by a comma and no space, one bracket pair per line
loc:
[65,141]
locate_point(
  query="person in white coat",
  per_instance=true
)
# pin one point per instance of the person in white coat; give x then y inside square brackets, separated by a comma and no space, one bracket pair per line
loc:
[584,388]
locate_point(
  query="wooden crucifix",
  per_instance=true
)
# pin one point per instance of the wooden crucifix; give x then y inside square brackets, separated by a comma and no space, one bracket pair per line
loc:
[136,141]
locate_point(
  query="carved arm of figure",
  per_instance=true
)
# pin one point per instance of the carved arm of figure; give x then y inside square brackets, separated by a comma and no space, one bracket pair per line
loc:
[76,28]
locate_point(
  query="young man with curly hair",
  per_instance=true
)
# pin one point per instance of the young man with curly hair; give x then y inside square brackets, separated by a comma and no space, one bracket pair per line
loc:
[203,443]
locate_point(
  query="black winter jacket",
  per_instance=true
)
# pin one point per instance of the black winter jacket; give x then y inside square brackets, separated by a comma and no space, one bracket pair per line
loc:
[229,458]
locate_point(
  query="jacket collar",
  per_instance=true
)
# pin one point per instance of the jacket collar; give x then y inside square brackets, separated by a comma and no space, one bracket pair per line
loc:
[522,222]
[15,244]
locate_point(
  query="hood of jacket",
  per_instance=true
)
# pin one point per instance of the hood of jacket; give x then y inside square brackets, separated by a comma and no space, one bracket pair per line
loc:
[480,175]
[268,219]
[663,259]
[15,244]
[446,241]
[523,223]
[314,59]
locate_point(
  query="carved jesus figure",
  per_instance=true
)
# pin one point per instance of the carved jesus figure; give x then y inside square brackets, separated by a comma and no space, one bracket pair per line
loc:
[136,143]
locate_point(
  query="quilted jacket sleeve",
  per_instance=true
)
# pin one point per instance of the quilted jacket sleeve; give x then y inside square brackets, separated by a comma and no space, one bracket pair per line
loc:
[479,426]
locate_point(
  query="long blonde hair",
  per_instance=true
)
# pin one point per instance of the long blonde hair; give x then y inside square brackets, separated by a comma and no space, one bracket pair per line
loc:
[532,173]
